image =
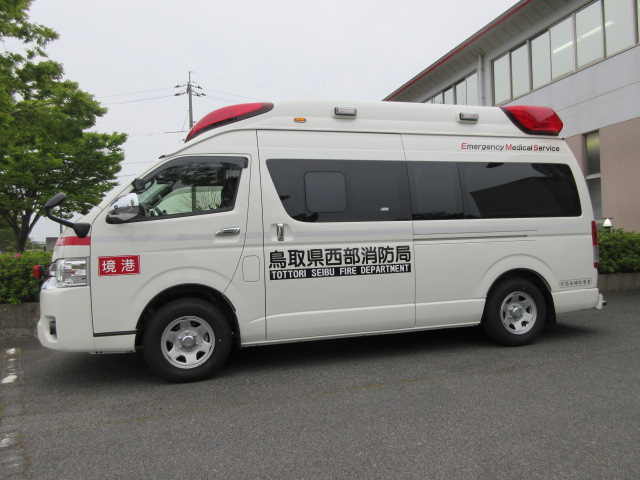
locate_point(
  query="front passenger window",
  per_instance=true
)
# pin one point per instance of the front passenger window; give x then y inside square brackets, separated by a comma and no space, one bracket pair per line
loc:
[191,186]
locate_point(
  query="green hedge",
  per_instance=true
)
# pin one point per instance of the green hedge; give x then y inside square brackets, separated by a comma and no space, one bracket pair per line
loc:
[17,284]
[619,251]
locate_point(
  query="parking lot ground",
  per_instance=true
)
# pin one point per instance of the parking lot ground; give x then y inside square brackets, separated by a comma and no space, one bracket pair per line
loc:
[441,404]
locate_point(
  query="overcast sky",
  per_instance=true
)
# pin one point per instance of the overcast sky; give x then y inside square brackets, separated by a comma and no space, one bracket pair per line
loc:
[131,54]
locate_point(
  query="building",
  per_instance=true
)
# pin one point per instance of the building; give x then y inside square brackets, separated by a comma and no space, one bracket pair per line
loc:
[580,57]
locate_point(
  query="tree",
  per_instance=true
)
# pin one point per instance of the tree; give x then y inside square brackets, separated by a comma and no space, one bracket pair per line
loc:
[44,143]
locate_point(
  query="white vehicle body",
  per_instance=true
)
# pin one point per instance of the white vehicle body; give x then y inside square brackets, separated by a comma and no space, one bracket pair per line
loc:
[360,257]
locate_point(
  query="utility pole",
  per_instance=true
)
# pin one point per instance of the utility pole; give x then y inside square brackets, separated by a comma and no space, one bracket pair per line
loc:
[189,91]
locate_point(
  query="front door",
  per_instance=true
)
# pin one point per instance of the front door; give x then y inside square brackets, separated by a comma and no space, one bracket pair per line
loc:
[190,231]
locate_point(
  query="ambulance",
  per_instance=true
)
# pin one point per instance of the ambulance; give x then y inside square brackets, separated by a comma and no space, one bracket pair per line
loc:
[315,219]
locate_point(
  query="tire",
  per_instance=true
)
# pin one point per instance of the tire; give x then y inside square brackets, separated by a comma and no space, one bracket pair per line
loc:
[515,313]
[187,340]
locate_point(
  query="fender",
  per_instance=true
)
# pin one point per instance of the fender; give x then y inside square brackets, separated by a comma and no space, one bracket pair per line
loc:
[506,264]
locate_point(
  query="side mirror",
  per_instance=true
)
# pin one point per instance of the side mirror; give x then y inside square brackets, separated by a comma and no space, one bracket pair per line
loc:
[54,201]
[123,208]
[80,229]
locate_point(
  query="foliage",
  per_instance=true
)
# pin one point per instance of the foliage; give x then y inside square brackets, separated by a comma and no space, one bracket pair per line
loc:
[619,251]
[44,147]
[7,242]
[17,284]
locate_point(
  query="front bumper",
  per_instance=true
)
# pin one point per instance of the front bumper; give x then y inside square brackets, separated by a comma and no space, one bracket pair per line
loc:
[65,319]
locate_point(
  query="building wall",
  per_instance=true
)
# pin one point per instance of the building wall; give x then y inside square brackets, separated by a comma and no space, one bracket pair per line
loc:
[620,149]
[620,171]
[603,94]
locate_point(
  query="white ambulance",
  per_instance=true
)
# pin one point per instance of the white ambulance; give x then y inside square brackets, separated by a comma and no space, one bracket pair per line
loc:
[306,220]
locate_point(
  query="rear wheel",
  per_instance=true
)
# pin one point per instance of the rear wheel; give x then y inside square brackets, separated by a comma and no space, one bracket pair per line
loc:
[515,312]
[187,340]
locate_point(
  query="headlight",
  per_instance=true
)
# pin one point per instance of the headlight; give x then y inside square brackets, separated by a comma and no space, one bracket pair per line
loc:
[71,272]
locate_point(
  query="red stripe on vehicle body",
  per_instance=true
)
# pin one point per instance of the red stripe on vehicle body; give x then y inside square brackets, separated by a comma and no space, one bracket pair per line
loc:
[72,240]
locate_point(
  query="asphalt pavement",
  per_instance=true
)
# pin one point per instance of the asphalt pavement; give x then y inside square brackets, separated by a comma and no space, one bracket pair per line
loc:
[439,405]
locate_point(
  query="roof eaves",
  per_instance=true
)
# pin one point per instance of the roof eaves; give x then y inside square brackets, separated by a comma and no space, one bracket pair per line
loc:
[475,37]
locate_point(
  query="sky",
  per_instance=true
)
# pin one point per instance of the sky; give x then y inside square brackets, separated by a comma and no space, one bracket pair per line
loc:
[131,55]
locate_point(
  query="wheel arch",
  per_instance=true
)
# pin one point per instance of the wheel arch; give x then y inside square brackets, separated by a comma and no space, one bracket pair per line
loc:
[189,290]
[534,277]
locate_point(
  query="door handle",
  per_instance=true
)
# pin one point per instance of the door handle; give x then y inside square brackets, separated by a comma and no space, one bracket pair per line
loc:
[228,231]
[280,232]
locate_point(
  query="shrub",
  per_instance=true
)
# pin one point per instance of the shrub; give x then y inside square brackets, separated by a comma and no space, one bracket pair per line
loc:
[17,284]
[619,251]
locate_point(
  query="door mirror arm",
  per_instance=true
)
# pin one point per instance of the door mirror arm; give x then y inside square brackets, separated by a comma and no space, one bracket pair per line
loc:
[80,229]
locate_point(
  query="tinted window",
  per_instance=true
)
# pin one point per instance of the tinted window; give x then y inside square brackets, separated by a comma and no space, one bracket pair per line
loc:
[435,190]
[191,186]
[503,190]
[342,190]
[326,192]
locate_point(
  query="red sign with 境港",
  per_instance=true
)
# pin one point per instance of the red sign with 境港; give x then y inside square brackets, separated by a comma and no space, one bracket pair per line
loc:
[122,265]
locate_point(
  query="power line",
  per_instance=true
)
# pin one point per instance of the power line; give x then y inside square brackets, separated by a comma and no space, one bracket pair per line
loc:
[232,94]
[255,86]
[139,100]
[228,100]
[135,93]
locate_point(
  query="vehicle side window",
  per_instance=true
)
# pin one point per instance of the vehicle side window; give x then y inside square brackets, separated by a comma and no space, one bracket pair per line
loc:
[518,190]
[191,186]
[326,192]
[342,190]
[435,190]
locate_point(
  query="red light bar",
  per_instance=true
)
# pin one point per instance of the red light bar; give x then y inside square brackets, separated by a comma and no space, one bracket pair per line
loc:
[227,115]
[534,120]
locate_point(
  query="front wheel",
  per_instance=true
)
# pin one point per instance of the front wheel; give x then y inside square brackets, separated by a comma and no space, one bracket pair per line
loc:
[515,313]
[187,340]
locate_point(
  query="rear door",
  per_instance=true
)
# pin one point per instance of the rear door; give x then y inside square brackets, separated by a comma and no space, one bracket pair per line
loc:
[337,234]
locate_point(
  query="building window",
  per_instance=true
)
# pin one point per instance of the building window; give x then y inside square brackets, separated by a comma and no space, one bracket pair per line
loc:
[501,79]
[464,92]
[618,23]
[562,48]
[472,89]
[461,93]
[541,60]
[601,29]
[520,71]
[592,171]
[589,44]
[448,97]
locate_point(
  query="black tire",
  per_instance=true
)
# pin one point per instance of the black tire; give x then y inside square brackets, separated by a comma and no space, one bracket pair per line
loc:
[186,340]
[515,313]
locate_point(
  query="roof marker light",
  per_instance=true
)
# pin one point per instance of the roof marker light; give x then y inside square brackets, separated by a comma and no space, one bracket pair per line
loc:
[345,111]
[534,120]
[227,115]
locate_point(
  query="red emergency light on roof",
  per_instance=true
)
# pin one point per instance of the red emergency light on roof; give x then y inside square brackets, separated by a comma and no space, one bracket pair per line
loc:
[534,120]
[227,115]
